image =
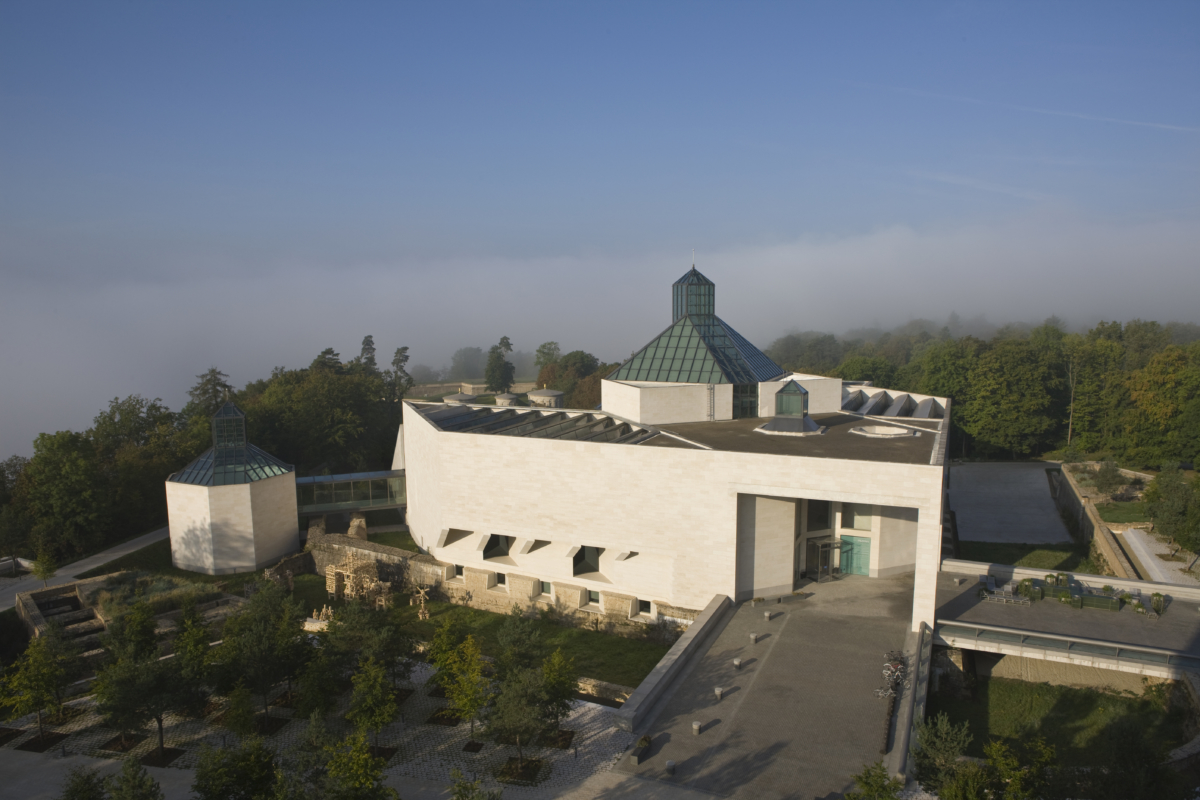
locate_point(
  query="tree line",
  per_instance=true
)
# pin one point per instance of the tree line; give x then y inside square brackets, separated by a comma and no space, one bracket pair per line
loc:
[82,490]
[1130,392]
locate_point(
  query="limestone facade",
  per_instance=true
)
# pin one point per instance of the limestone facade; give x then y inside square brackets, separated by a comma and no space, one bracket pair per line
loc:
[667,521]
[220,530]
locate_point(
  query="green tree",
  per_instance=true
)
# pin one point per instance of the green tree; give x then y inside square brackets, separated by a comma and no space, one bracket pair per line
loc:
[239,712]
[401,381]
[442,648]
[547,353]
[192,654]
[211,391]
[328,359]
[939,745]
[373,701]
[84,784]
[132,636]
[879,370]
[258,643]
[1133,769]
[874,783]
[499,371]
[44,566]
[560,684]
[520,642]
[468,690]
[133,783]
[130,692]
[968,781]
[303,769]
[1168,498]
[1022,774]
[367,354]
[32,685]
[320,673]
[245,772]
[516,713]
[355,773]
[1010,404]
[463,789]
[69,500]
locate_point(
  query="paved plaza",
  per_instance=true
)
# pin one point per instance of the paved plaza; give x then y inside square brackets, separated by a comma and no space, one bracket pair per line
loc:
[800,717]
[1005,503]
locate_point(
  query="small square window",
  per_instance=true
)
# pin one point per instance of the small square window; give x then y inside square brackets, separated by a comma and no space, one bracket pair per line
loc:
[643,606]
[545,587]
[593,597]
[501,578]
[458,573]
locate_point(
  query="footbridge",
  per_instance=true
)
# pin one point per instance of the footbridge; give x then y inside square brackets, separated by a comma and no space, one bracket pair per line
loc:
[1050,630]
[354,491]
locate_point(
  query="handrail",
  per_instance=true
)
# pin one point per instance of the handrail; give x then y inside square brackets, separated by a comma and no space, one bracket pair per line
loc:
[1064,637]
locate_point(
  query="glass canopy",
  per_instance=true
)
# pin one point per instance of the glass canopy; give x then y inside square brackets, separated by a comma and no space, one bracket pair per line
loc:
[231,460]
[692,294]
[320,493]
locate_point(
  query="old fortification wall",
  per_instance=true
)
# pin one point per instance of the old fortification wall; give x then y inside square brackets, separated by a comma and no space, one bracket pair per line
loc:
[1083,515]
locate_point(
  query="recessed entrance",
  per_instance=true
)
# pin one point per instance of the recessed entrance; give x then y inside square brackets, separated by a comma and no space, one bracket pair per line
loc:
[820,562]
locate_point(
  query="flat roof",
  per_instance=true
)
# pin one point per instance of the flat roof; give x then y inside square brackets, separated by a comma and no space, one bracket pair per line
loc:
[739,436]
[1174,630]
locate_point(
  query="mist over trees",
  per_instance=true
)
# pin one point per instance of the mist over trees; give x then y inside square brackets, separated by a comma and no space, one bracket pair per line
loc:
[1127,391]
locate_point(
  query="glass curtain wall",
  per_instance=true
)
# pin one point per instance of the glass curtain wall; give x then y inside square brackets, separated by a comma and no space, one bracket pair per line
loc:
[745,401]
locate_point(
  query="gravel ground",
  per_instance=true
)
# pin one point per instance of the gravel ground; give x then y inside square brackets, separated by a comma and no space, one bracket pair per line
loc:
[1147,547]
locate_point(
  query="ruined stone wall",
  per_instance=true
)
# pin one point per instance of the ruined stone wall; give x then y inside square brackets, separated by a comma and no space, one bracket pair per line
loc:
[478,588]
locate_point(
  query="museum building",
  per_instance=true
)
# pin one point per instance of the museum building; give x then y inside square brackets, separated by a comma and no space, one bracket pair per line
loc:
[706,470]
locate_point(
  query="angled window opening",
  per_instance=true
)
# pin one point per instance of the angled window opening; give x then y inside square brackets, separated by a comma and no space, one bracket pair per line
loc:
[498,546]
[585,560]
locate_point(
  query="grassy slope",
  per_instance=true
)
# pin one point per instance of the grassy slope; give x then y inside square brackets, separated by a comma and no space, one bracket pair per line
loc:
[156,558]
[400,539]
[1072,720]
[1065,557]
[597,655]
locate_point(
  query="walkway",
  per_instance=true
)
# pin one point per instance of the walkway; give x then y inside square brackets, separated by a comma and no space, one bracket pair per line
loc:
[800,717]
[10,589]
[1005,503]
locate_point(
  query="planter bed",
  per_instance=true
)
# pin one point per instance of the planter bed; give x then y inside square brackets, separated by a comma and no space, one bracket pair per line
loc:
[41,744]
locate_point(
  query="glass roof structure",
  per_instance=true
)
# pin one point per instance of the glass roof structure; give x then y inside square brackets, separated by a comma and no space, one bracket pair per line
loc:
[698,347]
[231,460]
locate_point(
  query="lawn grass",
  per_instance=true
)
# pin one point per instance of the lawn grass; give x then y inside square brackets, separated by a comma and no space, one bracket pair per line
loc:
[156,558]
[1074,721]
[598,655]
[1134,511]
[400,539]
[1066,557]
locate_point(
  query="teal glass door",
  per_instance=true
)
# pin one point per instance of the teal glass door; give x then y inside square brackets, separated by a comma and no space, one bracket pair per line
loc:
[856,555]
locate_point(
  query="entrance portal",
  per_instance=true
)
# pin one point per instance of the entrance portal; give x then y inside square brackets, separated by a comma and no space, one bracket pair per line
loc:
[820,559]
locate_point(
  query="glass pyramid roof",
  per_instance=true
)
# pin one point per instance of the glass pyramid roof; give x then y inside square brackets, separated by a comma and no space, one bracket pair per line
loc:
[232,460]
[699,349]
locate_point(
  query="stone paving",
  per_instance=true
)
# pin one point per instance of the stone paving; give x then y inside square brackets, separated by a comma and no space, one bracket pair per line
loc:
[800,717]
[1147,546]
[425,751]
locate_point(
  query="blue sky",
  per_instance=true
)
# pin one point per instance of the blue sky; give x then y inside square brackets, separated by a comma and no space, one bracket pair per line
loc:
[243,184]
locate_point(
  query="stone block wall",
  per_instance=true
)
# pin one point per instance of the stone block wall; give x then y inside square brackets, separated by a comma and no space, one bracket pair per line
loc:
[478,588]
[1072,502]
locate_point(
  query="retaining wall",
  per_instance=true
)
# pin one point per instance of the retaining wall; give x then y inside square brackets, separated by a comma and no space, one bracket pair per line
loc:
[1072,502]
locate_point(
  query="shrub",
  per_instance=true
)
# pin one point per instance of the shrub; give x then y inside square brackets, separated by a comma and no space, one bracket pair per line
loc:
[1108,478]
[874,783]
[1158,603]
[938,747]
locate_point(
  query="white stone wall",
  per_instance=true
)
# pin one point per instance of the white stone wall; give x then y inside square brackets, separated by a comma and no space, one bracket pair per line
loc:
[766,534]
[188,520]
[676,509]
[398,455]
[276,527]
[232,515]
[665,403]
